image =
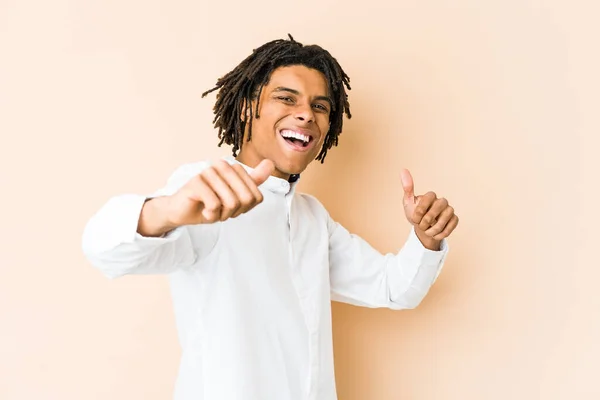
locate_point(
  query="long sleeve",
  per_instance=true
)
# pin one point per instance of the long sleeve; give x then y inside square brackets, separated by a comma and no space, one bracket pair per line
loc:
[360,275]
[112,244]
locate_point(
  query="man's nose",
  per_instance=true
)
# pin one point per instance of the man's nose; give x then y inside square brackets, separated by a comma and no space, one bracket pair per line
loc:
[304,113]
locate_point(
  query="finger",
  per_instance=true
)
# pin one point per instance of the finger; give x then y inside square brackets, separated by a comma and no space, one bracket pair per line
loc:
[408,186]
[229,201]
[232,175]
[430,218]
[448,229]
[425,202]
[262,171]
[246,190]
[442,221]
[256,195]
[210,205]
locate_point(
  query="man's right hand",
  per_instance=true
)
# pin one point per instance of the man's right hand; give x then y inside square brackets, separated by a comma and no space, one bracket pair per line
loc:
[219,192]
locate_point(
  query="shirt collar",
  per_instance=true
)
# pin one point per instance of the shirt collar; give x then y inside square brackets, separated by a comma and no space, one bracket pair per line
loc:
[273,183]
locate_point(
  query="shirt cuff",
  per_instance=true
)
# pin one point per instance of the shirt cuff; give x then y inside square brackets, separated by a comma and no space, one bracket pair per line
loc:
[124,214]
[167,237]
[429,263]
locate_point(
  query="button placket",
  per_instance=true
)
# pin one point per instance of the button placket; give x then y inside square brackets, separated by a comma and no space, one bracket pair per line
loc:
[308,313]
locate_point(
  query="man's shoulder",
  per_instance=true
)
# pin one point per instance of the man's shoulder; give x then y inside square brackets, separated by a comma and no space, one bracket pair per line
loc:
[308,198]
[190,169]
[312,203]
[186,171]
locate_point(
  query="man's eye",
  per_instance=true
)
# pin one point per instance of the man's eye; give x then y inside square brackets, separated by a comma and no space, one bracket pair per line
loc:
[286,99]
[320,107]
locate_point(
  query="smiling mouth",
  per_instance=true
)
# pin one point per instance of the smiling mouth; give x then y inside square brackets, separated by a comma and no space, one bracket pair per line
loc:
[296,139]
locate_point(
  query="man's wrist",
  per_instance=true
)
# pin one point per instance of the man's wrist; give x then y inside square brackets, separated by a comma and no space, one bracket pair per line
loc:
[153,221]
[427,241]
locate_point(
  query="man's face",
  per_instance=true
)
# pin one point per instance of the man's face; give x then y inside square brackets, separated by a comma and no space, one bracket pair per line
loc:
[294,120]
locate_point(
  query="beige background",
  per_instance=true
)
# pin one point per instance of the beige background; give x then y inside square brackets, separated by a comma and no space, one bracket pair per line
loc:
[493,105]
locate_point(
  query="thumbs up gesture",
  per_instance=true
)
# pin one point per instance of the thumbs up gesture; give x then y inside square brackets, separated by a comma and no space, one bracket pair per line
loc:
[432,217]
[220,192]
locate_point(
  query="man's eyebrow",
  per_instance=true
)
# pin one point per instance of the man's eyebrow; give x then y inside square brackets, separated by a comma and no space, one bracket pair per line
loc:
[325,98]
[297,93]
[285,89]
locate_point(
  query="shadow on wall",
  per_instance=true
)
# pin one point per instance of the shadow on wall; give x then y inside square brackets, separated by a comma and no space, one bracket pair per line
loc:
[360,187]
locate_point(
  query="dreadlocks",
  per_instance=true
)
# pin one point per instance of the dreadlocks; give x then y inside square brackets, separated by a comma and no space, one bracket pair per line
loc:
[239,87]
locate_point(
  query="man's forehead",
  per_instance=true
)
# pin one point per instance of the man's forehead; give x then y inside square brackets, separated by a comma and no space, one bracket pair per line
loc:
[299,78]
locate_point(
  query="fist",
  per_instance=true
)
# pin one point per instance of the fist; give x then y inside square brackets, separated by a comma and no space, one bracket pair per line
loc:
[220,192]
[431,216]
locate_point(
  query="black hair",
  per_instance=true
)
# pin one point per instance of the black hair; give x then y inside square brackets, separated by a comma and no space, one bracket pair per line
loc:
[239,87]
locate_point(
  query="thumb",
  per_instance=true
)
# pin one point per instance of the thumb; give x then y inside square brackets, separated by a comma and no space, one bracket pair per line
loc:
[262,171]
[408,186]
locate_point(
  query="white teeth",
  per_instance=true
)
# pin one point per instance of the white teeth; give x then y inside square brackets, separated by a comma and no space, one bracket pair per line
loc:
[286,133]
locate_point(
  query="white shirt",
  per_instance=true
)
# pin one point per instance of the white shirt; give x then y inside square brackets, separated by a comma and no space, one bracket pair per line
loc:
[252,295]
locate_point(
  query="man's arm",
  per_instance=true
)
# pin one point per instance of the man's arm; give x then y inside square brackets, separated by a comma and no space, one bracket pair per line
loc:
[133,234]
[362,276]
[130,234]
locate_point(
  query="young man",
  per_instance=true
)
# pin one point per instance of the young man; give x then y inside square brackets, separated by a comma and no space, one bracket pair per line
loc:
[253,265]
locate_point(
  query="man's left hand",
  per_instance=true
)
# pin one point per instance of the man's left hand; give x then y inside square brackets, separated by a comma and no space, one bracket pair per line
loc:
[432,217]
